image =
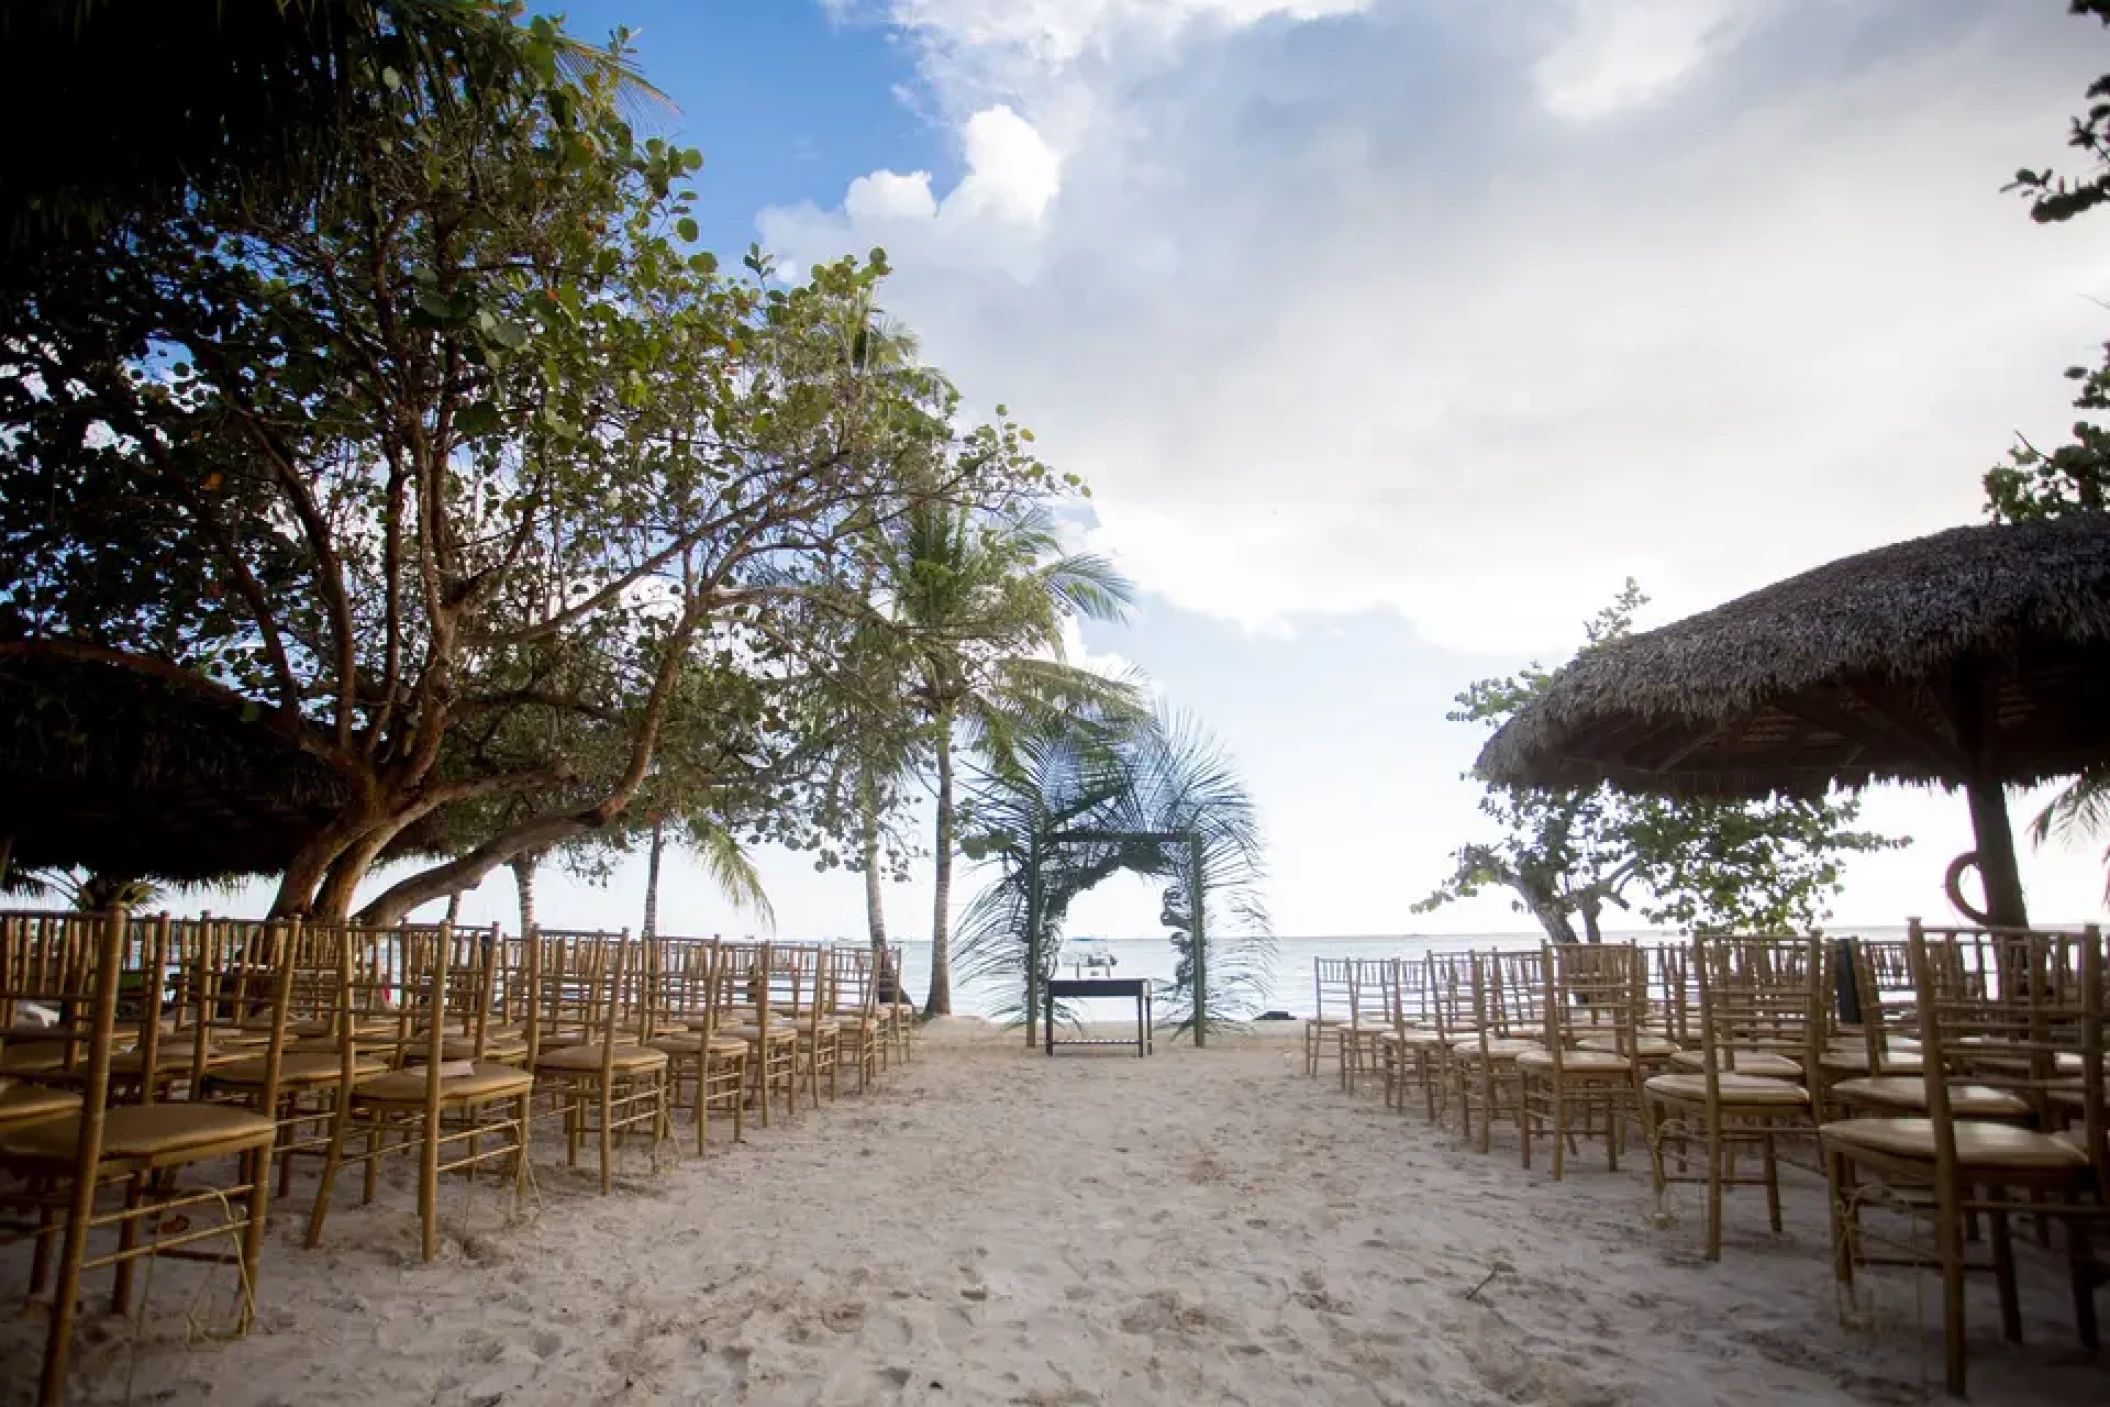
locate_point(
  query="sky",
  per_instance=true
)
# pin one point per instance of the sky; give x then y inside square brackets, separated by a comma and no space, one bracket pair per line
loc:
[1393,335]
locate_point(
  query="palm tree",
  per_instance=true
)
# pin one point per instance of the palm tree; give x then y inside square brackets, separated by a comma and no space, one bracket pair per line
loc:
[724,862]
[980,604]
[1068,808]
[2078,815]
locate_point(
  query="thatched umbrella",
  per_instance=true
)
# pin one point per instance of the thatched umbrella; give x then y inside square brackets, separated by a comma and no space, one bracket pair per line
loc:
[1975,658]
[127,775]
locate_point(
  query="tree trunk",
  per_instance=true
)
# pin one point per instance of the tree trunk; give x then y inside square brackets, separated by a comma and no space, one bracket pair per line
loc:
[659,841]
[875,896]
[1591,932]
[333,901]
[940,1001]
[523,866]
[7,854]
[468,870]
[1552,916]
[310,864]
[454,908]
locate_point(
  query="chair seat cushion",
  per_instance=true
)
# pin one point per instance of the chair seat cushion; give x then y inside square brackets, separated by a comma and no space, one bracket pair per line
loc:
[1910,1092]
[34,1057]
[1426,1040]
[1980,1147]
[1644,1046]
[585,1059]
[1855,1061]
[173,1055]
[778,1031]
[295,1067]
[1736,1089]
[144,1133]
[19,1104]
[1502,1048]
[1576,1062]
[1770,1064]
[488,1080]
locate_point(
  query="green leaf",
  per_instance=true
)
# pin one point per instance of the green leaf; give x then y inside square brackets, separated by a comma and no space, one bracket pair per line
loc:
[686,228]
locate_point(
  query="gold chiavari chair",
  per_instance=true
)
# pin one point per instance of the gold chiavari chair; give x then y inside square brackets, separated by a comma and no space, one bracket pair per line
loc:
[1509,993]
[803,974]
[456,1115]
[763,988]
[143,1151]
[609,1083]
[2030,1018]
[1331,996]
[895,996]
[859,1026]
[1590,1059]
[1367,1017]
[1757,996]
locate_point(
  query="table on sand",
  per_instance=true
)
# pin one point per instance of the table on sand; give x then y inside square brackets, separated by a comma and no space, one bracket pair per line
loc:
[1088,987]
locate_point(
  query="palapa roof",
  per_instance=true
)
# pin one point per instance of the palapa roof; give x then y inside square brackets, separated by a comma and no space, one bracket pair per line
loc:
[128,775]
[1848,674]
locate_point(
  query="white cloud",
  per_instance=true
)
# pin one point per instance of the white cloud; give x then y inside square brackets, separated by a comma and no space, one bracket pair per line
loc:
[1617,54]
[1364,313]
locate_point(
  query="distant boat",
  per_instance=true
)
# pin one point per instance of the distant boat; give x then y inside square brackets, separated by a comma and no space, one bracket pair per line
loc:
[1089,955]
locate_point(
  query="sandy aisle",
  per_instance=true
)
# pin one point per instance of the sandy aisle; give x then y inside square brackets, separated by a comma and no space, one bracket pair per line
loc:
[992,1227]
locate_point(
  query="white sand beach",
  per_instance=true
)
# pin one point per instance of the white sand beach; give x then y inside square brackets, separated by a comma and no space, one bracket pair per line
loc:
[993,1226]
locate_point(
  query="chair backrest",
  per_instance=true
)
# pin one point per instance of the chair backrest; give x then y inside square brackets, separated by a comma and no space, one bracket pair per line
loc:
[1332,987]
[1448,993]
[853,990]
[2030,1023]
[1370,999]
[48,972]
[1593,991]
[572,985]
[1757,994]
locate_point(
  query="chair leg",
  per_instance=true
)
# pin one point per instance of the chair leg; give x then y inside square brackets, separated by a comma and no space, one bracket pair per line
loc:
[72,1251]
[127,1241]
[1845,1216]
[2083,1272]
[1948,1235]
[1772,1170]
[253,1233]
[1714,1187]
[332,1160]
[429,1187]
[607,1093]
[1560,1126]
[2004,1276]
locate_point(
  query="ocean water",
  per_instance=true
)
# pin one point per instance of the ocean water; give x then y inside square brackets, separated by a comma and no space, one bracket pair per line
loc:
[1290,984]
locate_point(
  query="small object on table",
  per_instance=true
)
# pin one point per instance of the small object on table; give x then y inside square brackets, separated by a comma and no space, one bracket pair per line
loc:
[1089,987]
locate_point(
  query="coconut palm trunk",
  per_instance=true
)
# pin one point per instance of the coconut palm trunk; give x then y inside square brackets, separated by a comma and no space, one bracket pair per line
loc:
[940,1001]
[523,867]
[875,897]
[659,845]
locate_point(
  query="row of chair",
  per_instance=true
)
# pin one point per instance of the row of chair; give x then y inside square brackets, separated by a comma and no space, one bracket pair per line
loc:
[1956,1076]
[154,1071]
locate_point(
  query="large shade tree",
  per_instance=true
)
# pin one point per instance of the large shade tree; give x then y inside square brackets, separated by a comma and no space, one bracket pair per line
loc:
[478,447]
[1568,855]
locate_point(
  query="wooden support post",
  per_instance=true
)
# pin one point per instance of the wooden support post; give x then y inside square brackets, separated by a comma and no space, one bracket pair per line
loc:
[1033,1012]
[1198,936]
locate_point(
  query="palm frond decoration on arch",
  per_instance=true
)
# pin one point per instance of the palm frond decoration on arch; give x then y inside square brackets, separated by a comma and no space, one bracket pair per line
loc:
[1077,803]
